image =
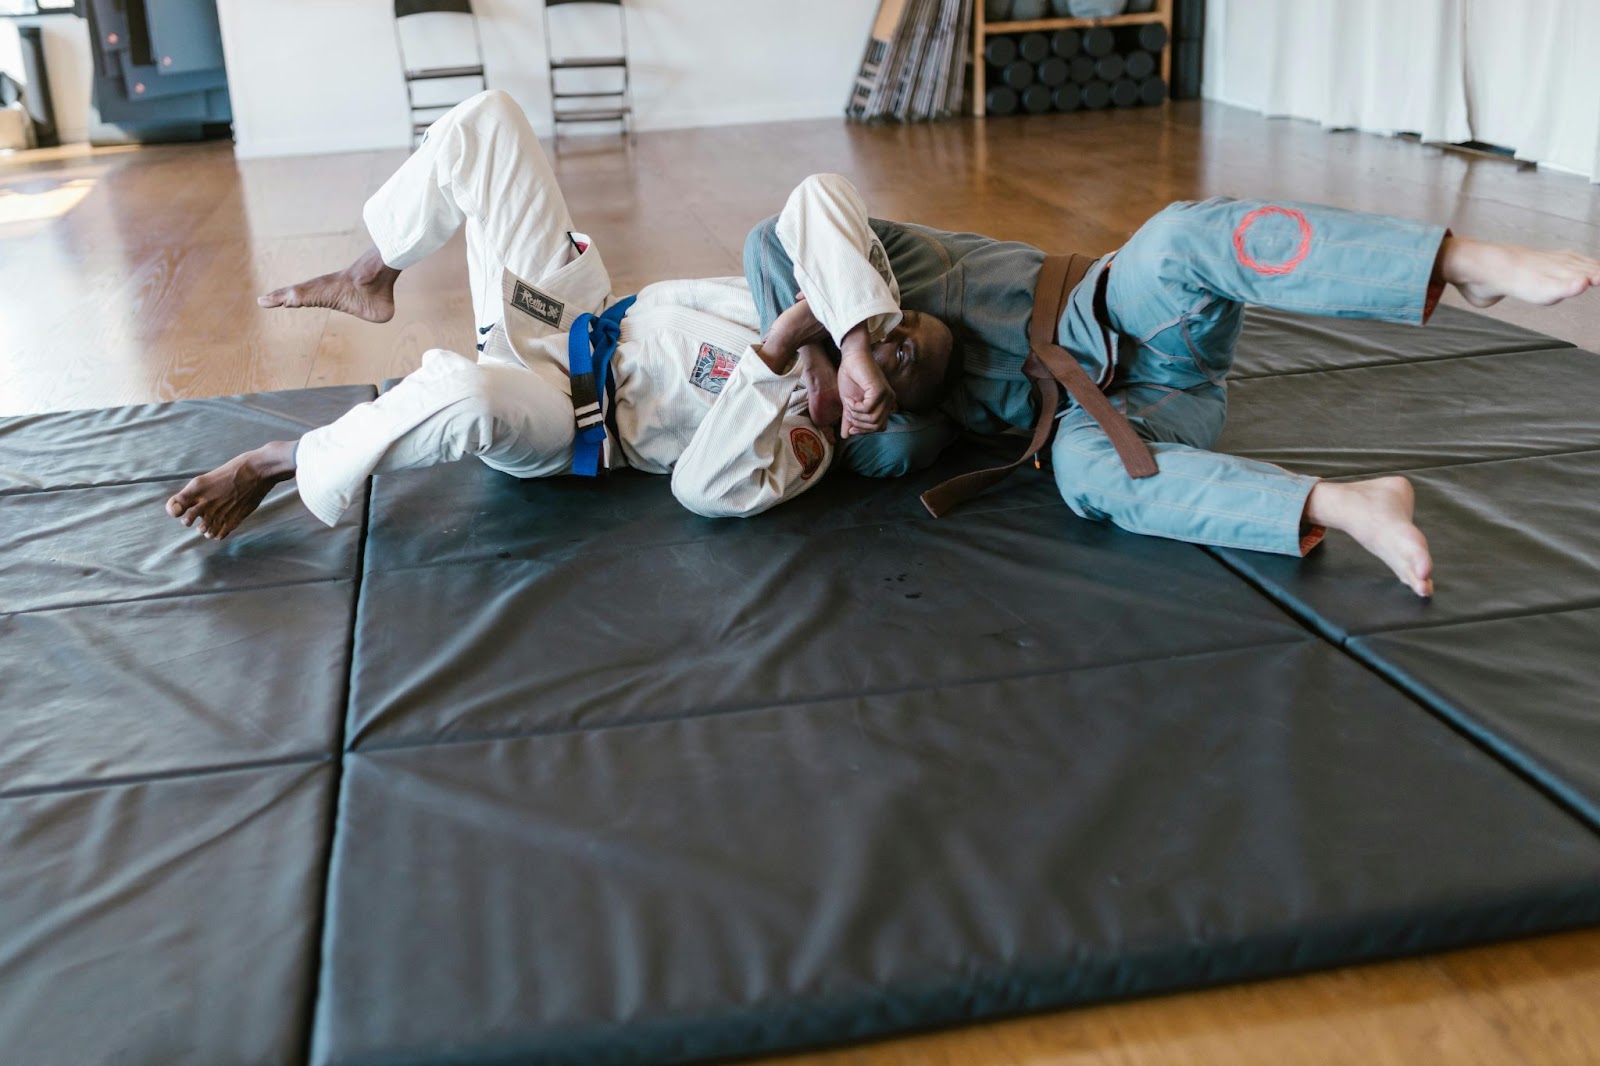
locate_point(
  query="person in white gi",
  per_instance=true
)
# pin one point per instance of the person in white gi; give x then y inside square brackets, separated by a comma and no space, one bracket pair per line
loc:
[698,394]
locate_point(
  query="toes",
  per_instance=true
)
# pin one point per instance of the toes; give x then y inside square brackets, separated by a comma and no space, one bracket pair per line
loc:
[175,507]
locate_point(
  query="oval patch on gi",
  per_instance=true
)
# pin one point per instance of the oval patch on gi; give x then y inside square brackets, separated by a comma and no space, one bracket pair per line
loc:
[808,449]
[1294,259]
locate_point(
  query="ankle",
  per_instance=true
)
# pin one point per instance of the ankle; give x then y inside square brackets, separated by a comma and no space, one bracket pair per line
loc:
[1326,505]
[274,461]
[371,270]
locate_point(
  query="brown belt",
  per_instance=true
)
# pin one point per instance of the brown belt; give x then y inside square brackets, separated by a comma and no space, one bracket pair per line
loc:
[1048,364]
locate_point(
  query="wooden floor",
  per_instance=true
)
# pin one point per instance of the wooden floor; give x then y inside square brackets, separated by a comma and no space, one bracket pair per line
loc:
[129,276]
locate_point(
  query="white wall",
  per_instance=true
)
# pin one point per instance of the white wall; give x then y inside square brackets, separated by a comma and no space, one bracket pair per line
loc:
[324,76]
[67,61]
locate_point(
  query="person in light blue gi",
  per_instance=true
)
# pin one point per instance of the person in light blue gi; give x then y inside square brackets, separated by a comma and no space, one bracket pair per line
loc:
[1174,297]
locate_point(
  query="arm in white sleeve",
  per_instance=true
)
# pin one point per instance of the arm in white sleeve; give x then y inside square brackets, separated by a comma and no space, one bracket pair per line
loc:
[839,262]
[756,447]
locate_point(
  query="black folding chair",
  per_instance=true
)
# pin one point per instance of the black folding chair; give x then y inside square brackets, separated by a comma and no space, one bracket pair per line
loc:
[593,105]
[404,9]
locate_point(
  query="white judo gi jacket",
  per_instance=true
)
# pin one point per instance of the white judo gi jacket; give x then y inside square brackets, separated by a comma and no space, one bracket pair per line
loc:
[692,397]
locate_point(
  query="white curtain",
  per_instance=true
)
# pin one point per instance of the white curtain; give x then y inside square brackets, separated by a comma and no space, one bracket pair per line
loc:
[1533,83]
[1516,73]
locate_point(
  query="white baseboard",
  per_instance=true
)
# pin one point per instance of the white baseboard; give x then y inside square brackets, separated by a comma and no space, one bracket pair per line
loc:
[246,147]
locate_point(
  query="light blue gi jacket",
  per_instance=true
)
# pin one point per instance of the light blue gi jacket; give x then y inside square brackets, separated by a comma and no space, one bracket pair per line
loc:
[1175,297]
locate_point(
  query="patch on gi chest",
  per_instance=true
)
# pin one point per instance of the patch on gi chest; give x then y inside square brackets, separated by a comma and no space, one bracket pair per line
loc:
[808,450]
[529,300]
[713,367]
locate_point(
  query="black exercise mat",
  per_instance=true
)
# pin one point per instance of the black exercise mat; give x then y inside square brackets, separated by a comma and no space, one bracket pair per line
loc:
[662,616]
[832,871]
[465,512]
[1508,538]
[1527,687]
[1276,342]
[72,449]
[172,684]
[1431,413]
[117,542]
[163,922]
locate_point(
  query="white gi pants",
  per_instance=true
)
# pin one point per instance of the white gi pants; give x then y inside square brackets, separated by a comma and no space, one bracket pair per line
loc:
[480,166]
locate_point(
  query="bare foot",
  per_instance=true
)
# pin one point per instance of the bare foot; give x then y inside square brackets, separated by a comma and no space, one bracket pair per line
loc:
[365,289]
[1377,514]
[1486,272]
[215,503]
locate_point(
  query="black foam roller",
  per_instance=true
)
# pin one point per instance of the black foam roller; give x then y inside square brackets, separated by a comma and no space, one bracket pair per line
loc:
[1125,92]
[1054,71]
[1000,51]
[1109,68]
[1067,98]
[1018,74]
[1189,20]
[1139,65]
[1036,100]
[1065,43]
[1034,47]
[1152,91]
[1186,70]
[1152,36]
[1099,41]
[1000,100]
[1082,69]
[1096,94]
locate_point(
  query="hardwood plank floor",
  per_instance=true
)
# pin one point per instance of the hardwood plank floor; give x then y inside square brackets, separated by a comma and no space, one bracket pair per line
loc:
[129,276]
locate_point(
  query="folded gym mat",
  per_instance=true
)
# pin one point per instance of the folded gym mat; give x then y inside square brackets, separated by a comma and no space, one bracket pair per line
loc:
[625,784]
[113,543]
[1504,650]
[1407,416]
[829,871]
[1276,342]
[162,922]
[162,686]
[1524,687]
[161,441]
[1508,538]
[572,616]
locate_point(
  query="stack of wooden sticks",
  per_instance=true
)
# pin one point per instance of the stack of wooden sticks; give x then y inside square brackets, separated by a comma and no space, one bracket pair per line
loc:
[915,64]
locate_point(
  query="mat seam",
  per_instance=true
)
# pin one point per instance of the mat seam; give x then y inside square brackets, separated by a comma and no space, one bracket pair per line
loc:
[912,516]
[336,792]
[159,776]
[1559,346]
[754,708]
[186,594]
[1450,722]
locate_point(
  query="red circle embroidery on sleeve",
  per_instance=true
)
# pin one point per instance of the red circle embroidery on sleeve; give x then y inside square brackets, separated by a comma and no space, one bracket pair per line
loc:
[1272,268]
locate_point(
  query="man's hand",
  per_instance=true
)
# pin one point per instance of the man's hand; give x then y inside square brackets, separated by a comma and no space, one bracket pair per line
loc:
[868,399]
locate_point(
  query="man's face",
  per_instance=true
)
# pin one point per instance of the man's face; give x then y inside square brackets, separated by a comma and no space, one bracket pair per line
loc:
[913,357]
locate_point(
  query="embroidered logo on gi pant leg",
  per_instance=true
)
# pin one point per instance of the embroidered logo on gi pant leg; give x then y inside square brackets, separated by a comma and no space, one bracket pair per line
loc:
[529,300]
[808,450]
[1288,265]
[880,261]
[713,367]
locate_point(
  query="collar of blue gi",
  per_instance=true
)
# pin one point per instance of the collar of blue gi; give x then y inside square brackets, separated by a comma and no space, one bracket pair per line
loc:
[591,343]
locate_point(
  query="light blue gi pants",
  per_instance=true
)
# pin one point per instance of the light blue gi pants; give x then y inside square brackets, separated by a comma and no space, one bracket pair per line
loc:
[1175,297]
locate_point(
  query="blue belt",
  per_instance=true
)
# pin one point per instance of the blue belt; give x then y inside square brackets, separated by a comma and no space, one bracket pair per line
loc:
[590,345]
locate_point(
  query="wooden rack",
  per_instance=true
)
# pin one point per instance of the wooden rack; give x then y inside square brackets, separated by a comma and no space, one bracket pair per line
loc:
[983,29]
